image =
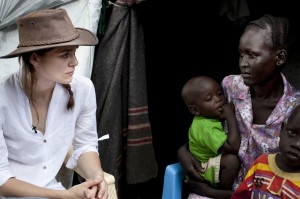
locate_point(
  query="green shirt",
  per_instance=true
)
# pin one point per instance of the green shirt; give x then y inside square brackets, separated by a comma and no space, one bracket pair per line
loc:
[206,136]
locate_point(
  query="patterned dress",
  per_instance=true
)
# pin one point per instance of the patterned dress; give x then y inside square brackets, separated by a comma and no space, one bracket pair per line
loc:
[257,139]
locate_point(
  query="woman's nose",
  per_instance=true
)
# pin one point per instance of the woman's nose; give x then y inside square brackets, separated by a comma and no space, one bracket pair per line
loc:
[243,62]
[73,62]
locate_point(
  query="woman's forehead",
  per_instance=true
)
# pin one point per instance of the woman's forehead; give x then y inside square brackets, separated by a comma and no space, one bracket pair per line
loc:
[62,49]
[256,37]
[66,48]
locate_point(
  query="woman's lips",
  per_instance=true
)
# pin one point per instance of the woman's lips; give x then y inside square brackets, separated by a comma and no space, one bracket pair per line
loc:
[70,73]
[245,75]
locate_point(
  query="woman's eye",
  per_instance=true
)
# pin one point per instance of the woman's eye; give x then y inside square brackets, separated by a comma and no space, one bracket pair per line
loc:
[251,55]
[290,132]
[66,55]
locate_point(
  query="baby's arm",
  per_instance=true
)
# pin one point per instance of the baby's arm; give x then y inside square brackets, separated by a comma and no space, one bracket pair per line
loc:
[232,144]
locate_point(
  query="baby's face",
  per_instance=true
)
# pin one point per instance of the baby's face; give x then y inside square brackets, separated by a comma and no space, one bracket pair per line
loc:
[209,103]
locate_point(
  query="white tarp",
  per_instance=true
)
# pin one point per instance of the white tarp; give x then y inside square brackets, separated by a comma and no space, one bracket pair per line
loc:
[10,10]
[83,13]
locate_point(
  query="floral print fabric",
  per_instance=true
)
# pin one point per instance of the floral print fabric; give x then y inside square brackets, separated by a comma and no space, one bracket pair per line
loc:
[257,139]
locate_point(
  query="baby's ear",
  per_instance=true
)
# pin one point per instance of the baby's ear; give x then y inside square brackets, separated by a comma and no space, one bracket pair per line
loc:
[281,57]
[193,109]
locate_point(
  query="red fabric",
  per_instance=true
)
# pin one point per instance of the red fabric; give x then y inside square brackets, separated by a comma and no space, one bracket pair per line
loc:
[276,184]
[262,182]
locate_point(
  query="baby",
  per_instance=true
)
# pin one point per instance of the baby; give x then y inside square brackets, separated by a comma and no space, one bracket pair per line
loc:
[215,149]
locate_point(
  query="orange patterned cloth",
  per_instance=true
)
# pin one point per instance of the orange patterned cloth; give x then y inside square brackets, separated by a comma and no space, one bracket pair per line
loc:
[265,180]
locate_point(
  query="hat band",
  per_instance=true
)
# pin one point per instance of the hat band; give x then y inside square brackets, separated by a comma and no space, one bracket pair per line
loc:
[54,41]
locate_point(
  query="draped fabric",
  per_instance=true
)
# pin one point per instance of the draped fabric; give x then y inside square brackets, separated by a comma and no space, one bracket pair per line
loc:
[122,108]
[10,10]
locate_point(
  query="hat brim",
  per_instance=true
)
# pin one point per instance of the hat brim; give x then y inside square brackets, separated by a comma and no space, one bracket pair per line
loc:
[86,38]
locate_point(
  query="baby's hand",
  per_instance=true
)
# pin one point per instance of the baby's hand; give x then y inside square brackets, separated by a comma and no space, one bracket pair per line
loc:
[228,110]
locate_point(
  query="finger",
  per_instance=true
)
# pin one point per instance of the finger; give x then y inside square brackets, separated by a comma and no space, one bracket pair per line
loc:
[103,192]
[196,165]
[92,194]
[105,195]
[86,194]
[89,183]
[93,191]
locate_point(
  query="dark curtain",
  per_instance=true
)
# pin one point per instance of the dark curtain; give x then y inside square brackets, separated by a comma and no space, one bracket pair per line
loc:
[119,77]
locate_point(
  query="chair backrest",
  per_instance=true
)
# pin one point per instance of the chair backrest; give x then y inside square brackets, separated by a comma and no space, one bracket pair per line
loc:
[172,188]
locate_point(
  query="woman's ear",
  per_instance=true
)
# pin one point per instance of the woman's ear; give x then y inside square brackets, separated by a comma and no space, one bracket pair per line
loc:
[34,59]
[194,110]
[281,57]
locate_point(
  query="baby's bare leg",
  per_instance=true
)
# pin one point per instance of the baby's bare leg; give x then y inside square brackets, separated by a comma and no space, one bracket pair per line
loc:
[229,168]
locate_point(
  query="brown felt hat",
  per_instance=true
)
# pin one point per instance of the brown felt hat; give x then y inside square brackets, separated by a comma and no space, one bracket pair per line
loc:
[48,29]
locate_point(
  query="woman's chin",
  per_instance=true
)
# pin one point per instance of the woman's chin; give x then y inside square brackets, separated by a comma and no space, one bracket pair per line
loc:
[66,80]
[247,82]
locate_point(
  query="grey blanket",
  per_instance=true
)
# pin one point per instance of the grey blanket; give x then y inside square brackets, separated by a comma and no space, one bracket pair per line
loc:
[119,77]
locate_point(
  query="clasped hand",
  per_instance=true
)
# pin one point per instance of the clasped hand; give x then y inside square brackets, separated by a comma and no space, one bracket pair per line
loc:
[91,189]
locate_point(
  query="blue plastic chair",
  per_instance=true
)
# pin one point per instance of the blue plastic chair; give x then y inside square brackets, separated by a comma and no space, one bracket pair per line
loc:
[173,178]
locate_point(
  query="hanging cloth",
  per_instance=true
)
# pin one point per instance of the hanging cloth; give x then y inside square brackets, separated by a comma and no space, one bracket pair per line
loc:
[119,77]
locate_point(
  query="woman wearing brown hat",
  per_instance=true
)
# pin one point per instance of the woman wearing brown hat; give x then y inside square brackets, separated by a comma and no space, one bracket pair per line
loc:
[44,108]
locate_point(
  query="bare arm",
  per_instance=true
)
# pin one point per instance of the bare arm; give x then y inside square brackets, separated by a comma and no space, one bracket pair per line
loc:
[189,163]
[196,182]
[17,188]
[233,141]
[90,166]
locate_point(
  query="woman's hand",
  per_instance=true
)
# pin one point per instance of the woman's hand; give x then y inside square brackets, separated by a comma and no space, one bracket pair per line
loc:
[103,190]
[99,191]
[84,190]
[189,163]
[90,167]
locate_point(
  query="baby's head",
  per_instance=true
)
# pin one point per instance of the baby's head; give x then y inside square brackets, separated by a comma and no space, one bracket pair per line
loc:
[203,96]
[289,144]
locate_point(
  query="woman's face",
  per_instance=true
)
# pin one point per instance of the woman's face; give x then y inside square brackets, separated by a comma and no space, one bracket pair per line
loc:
[56,65]
[258,60]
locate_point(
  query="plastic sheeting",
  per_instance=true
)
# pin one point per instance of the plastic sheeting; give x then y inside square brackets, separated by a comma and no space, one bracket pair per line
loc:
[10,10]
[83,13]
